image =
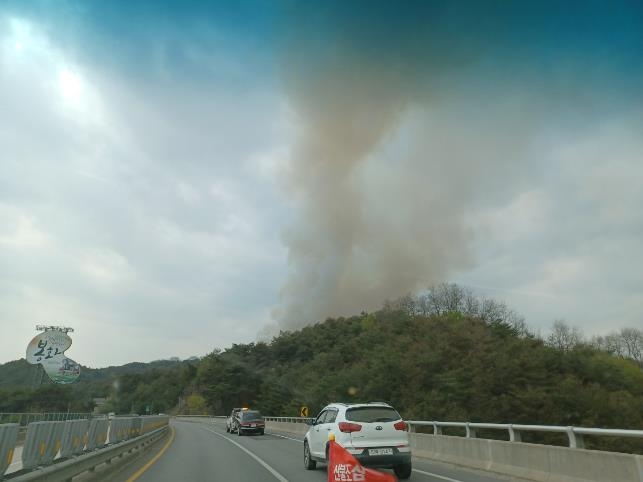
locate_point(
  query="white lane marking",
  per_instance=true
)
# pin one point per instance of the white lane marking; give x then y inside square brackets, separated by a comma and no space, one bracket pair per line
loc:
[430,474]
[277,475]
[283,436]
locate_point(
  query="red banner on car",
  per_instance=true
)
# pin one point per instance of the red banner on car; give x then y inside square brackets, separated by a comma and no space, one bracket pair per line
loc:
[343,467]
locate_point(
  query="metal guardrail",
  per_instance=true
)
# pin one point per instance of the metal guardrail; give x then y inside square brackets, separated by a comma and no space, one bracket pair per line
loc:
[49,440]
[200,416]
[289,419]
[574,434]
[67,469]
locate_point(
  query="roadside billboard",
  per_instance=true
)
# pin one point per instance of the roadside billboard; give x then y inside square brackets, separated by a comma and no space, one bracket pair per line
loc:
[48,349]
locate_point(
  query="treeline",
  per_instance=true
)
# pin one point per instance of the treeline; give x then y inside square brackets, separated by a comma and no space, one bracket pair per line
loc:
[442,367]
[452,298]
[445,355]
[132,388]
[625,343]
[46,398]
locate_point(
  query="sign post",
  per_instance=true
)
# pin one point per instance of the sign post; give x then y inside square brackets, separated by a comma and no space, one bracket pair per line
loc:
[303,411]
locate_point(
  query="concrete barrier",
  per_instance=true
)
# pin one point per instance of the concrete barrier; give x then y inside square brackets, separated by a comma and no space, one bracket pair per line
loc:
[473,453]
[97,434]
[542,463]
[8,439]
[121,428]
[66,470]
[73,437]
[42,443]
[287,428]
[152,422]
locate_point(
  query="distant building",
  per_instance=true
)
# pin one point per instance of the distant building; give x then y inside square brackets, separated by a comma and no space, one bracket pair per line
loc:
[98,404]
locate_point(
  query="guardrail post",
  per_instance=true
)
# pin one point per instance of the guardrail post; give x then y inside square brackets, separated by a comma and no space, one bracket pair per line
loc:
[471,432]
[514,435]
[575,439]
[437,430]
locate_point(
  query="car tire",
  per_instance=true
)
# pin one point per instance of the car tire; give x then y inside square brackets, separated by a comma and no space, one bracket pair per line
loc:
[403,471]
[261,432]
[309,463]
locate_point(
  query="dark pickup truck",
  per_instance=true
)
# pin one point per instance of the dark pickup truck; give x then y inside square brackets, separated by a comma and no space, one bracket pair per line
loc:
[249,421]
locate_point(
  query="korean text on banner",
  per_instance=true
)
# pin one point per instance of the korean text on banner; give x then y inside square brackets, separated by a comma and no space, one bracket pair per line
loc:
[343,467]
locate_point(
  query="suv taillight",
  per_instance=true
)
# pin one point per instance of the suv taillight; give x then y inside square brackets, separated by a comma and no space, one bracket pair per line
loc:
[400,426]
[348,427]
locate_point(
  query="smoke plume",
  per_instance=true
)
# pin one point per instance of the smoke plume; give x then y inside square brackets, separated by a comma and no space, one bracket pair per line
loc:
[401,134]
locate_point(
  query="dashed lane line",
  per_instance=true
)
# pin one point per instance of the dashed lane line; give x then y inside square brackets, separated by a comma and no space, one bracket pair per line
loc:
[283,436]
[431,474]
[276,474]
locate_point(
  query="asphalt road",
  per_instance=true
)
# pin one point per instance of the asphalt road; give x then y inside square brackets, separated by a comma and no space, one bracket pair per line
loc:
[203,451]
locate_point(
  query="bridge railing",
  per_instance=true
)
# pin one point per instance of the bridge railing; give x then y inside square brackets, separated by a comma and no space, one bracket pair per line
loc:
[515,431]
[288,419]
[574,434]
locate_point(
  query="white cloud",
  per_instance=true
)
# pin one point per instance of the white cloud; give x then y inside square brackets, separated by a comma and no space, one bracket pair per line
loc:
[18,230]
[569,247]
[127,207]
[147,212]
[106,266]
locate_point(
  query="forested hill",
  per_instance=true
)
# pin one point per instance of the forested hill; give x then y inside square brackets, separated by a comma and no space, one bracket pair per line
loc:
[434,367]
[20,374]
[18,379]
[447,367]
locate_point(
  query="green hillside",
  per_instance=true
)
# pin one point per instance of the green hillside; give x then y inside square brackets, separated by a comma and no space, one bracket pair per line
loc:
[447,366]
[18,380]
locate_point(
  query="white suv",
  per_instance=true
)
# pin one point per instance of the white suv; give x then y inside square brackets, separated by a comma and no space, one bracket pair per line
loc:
[374,433]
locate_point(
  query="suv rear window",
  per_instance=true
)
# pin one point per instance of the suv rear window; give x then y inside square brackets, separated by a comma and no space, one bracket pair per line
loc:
[372,414]
[254,415]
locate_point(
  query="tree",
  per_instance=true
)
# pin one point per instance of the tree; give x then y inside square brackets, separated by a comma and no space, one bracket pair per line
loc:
[632,340]
[627,343]
[564,337]
[196,405]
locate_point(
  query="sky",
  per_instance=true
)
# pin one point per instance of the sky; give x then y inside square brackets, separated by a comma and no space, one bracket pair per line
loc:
[178,177]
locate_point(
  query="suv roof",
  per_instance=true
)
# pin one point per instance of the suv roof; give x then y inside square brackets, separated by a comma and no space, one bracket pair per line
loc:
[362,404]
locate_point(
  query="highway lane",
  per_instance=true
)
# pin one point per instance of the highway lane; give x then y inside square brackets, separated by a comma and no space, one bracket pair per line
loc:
[203,451]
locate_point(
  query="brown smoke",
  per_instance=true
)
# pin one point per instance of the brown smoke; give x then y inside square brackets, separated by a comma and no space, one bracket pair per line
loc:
[386,163]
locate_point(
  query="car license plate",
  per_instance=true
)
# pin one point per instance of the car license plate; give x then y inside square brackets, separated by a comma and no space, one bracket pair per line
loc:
[253,424]
[380,451]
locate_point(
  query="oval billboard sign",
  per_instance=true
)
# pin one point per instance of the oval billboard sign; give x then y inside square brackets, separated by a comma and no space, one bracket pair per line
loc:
[48,349]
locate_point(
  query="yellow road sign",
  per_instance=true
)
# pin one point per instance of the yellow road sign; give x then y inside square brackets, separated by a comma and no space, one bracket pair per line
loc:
[303,411]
